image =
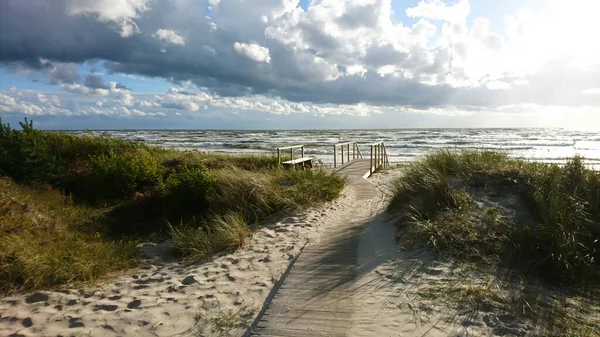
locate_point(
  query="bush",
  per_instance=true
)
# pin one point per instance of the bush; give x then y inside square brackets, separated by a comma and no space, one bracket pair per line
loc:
[119,175]
[125,188]
[188,190]
[35,156]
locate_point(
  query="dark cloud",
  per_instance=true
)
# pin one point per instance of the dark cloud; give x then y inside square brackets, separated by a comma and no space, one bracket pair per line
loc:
[308,57]
[95,82]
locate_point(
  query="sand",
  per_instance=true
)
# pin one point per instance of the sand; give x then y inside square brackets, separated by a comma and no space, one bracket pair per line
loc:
[399,291]
[217,298]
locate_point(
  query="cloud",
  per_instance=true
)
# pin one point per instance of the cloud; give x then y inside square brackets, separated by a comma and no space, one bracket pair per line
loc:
[62,73]
[169,36]
[119,12]
[82,89]
[332,54]
[95,82]
[591,91]
[253,51]
[439,10]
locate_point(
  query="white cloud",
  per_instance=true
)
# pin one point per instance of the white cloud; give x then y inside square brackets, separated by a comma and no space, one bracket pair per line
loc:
[439,10]
[169,36]
[42,98]
[120,12]
[80,89]
[591,91]
[497,85]
[253,51]
[356,69]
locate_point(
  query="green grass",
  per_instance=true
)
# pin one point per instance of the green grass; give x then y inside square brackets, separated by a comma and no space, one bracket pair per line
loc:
[41,247]
[120,189]
[222,234]
[561,241]
[453,201]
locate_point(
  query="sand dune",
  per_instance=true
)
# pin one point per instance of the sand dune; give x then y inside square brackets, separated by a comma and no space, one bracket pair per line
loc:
[397,291]
[219,297]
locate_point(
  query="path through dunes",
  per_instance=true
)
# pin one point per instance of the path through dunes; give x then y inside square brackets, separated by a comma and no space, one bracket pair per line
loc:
[333,288]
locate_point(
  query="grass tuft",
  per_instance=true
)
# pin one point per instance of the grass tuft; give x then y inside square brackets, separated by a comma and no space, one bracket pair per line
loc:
[222,234]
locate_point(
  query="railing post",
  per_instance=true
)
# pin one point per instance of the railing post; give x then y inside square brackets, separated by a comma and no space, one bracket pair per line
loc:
[371,162]
[334,156]
[342,154]
[302,151]
[348,154]
[292,153]
[376,157]
[278,156]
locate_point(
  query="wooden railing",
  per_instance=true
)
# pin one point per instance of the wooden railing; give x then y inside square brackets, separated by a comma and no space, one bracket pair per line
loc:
[291,148]
[305,162]
[355,152]
[379,157]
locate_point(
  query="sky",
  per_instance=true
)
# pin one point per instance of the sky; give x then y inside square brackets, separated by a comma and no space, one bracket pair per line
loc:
[308,64]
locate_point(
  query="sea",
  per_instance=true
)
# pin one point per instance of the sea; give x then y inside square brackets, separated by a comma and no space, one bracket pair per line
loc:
[403,145]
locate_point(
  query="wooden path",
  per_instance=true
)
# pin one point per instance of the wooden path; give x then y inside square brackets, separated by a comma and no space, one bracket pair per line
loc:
[316,297]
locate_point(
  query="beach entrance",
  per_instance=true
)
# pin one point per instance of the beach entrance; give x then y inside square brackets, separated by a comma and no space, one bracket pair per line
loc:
[342,154]
[327,288]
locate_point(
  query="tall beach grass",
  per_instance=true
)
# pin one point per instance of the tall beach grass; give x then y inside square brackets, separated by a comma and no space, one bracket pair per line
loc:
[561,241]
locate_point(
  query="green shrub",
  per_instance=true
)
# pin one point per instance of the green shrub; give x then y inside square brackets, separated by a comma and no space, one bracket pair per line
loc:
[35,156]
[123,188]
[119,175]
[188,189]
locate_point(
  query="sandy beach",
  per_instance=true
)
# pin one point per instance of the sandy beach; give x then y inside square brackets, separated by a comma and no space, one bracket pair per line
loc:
[398,291]
[218,297]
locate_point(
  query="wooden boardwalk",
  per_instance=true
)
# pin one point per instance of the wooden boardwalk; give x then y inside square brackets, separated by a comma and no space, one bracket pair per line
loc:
[316,297]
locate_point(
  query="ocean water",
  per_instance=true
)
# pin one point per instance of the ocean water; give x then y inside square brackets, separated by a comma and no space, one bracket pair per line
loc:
[403,145]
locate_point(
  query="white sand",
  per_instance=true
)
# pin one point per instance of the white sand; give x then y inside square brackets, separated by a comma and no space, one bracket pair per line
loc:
[220,297]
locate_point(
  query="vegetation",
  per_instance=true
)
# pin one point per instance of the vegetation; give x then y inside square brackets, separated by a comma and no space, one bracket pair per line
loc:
[41,244]
[559,237]
[531,223]
[108,193]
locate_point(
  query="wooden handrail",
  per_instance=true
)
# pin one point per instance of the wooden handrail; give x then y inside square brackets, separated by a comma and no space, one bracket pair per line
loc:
[291,148]
[379,157]
[355,152]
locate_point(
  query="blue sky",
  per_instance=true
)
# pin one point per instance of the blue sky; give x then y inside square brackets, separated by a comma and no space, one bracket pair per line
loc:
[321,64]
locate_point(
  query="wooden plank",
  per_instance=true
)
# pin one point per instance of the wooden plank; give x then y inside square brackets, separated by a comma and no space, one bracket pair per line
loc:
[309,314]
[297,161]
[296,323]
[290,147]
[321,326]
[274,308]
[294,333]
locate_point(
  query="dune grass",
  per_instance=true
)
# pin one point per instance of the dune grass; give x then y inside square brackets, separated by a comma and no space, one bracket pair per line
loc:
[108,190]
[561,240]
[41,246]
[527,226]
